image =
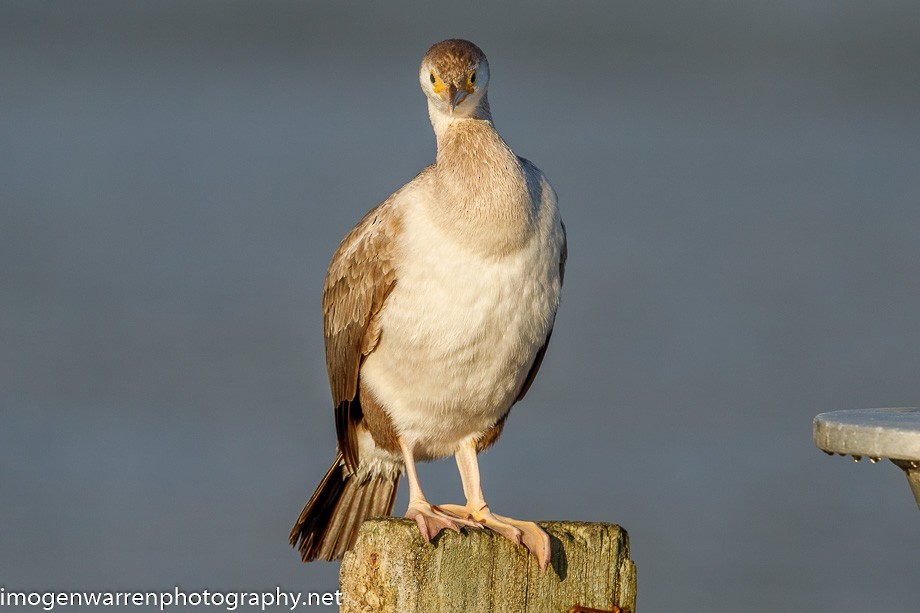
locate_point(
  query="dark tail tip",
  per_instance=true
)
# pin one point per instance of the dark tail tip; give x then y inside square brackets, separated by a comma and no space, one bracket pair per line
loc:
[329,523]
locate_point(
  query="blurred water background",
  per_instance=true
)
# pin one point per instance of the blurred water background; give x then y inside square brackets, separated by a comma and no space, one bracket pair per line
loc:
[741,186]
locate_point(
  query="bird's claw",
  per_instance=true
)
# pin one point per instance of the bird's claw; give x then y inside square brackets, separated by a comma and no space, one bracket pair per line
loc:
[431,519]
[525,533]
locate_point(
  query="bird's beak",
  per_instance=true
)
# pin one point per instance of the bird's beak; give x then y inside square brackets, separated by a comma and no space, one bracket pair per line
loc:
[455,96]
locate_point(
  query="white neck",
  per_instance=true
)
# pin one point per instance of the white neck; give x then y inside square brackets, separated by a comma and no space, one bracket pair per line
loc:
[442,121]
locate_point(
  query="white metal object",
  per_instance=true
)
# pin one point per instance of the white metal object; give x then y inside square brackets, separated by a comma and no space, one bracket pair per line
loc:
[874,433]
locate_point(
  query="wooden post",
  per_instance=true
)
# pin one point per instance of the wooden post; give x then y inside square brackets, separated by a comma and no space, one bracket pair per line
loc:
[391,569]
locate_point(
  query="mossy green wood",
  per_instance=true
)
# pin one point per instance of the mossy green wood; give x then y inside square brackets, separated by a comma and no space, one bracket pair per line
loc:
[392,569]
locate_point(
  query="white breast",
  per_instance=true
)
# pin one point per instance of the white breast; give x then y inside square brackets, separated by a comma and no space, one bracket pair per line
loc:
[460,331]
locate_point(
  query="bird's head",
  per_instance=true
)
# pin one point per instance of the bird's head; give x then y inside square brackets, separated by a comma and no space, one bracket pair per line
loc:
[454,76]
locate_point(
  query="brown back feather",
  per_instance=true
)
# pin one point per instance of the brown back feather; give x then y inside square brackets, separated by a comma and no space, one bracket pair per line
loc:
[359,279]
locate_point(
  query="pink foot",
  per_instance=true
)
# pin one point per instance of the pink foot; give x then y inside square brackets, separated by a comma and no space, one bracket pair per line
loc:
[525,533]
[431,519]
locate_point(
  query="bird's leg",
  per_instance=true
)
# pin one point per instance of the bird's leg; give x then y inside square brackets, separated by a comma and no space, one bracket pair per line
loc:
[524,533]
[430,519]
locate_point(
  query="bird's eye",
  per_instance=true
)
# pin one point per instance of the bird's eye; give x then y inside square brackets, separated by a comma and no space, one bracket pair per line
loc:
[432,78]
[473,77]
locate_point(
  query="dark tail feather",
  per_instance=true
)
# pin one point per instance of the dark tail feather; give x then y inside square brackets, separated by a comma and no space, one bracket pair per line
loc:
[328,525]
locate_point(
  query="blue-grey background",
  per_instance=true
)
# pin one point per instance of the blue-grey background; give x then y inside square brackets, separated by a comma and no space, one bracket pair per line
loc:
[741,186]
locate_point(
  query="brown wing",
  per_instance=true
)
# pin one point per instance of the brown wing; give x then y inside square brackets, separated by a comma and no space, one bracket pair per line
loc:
[360,277]
[538,360]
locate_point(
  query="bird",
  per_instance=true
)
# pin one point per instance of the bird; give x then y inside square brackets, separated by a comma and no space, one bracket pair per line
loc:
[438,307]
